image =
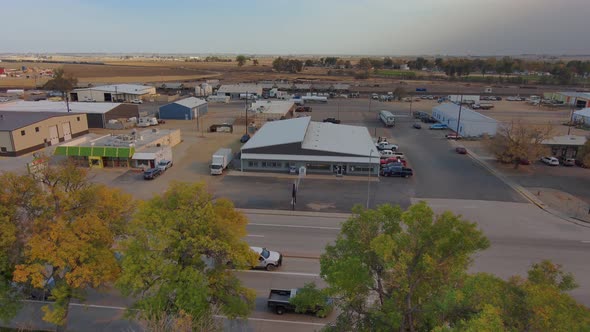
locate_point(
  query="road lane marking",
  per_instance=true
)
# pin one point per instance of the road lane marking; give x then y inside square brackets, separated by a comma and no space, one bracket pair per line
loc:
[302,274]
[254,235]
[277,321]
[296,226]
[216,316]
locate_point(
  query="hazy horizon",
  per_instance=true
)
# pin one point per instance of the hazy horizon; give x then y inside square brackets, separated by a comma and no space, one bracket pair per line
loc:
[305,27]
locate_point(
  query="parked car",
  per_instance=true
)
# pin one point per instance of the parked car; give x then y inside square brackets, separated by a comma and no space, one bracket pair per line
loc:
[429,119]
[417,126]
[279,300]
[461,150]
[453,136]
[385,162]
[267,259]
[551,161]
[244,138]
[568,162]
[164,164]
[403,172]
[332,120]
[386,146]
[152,173]
[303,109]
[438,126]
[137,101]
[386,154]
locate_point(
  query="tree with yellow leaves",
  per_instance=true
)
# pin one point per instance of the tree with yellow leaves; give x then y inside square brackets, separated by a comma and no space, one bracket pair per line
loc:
[175,260]
[72,236]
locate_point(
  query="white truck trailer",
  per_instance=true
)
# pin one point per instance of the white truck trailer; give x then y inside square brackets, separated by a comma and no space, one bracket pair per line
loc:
[220,160]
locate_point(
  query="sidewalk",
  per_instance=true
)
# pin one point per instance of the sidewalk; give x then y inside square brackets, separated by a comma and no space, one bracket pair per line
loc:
[364,178]
[570,212]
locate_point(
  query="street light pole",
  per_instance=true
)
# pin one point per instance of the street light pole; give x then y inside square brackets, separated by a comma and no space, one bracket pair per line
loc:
[369,178]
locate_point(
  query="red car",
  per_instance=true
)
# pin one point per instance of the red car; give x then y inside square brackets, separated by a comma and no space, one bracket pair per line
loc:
[393,160]
[461,150]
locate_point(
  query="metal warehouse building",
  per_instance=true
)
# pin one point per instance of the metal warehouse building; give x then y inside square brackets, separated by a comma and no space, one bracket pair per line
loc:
[235,90]
[26,132]
[577,99]
[471,123]
[320,147]
[113,93]
[273,109]
[184,109]
[97,114]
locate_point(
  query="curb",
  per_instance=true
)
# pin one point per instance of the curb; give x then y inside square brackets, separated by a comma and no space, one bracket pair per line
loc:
[525,193]
[289,255]
[296,213]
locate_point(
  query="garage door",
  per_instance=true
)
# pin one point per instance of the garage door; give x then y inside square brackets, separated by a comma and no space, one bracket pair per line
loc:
[53,137]
[67,131]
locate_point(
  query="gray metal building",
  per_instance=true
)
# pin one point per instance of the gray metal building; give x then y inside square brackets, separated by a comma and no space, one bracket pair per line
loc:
[319,147]
[471,123]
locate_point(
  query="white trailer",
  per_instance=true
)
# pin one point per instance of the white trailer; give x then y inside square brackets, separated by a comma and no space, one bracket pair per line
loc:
[218,99]
[316,99]
[466,99]
[220,160]
[387,118]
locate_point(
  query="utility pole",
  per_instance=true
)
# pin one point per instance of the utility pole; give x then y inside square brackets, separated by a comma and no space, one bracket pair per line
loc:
[246,106]
[459,117]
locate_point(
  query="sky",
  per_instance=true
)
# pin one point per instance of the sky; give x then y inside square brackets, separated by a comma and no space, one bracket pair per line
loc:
[290,27]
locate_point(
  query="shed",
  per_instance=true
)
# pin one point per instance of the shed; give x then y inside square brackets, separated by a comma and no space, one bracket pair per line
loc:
[184,109]
[565,146]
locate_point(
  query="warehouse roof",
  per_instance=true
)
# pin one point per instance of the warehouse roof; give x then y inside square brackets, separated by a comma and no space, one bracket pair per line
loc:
[452,111]
[333,159]
[240,88]
[132,89]
[279,132]
[584,95]
[329,137]
[272,106]
[10,121]
[191,102]
[57,106]
[319,136]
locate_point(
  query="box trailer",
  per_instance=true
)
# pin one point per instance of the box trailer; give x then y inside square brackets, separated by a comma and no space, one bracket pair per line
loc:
[220,160]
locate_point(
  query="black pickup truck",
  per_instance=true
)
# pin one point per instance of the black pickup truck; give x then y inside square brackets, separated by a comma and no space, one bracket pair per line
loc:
[279,300]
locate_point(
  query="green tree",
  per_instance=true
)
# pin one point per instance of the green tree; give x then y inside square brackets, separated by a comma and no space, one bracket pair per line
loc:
[365,64]
[330,61]
[516,142]
[241,60]
[311,299]
[387,265]
[175,258]
[255,62]
[400,93]
[70,247]
[537,303]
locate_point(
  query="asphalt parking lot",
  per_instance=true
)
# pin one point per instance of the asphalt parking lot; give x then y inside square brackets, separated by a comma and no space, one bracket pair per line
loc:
[438,171]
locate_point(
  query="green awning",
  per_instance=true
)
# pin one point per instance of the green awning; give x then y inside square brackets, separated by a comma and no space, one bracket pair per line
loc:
[94,151]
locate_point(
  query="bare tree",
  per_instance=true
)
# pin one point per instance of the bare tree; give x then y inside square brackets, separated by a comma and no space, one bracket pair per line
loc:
[516,142]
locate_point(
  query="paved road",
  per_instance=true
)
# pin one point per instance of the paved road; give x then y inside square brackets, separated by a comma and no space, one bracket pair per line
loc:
[439,171]
[520,235]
